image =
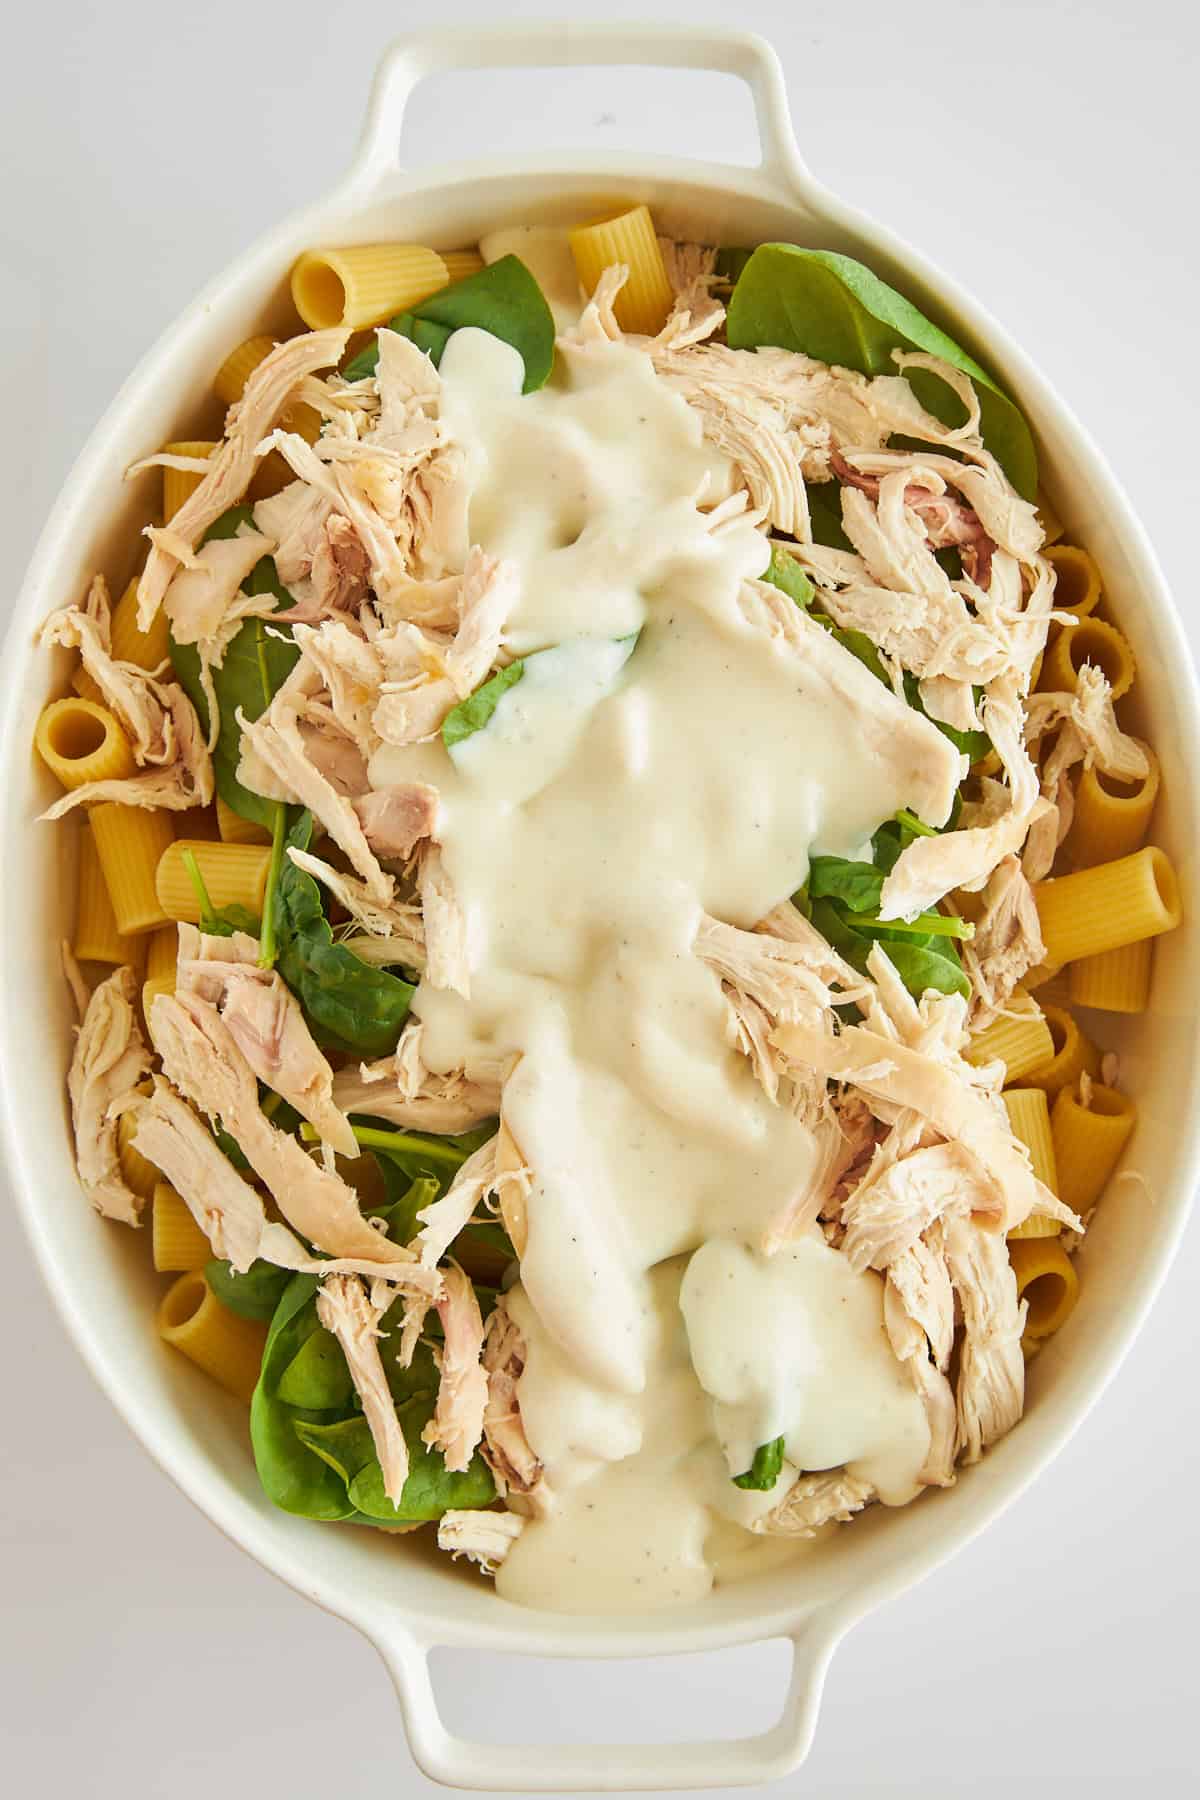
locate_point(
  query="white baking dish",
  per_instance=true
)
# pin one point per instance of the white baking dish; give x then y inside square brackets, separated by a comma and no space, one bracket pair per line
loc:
[406,1601]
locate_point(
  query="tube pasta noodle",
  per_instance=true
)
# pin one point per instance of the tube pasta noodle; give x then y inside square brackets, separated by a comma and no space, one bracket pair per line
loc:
[1077,579]
[233,374]
[1104,907]
[460,263]
[177,484]
[138,1170]
[86,687]
[233,829]
[1047,1281]
[130,842]
[1094,641]
[1118,981]
[229,1348]
[626,237]
[1021,1043]
[178,1242]
[1073,1054]
[148,649]
[364,284]
[96,936]
[1088,1141]
[1029,1120]
[234,875]
[80,741]
[162,953]
[1112,817]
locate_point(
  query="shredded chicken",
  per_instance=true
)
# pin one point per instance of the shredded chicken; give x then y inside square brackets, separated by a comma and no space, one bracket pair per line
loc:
[506,1448]
[402,1090]
[442,1221]
[1007,942]
[813,1501]
[344,1309]
[447,957]
[484,1537]
[110,1060]
[991,1373]
[457,1424]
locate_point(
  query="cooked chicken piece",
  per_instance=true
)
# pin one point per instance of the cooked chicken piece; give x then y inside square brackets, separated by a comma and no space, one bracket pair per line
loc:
[1010,522]
[896,732]
[1087,731]
[947,519]
[920,1282]
[447,955]
[513,1183]
[695,314]
[232,464]
[442,1221]
[838,1149]
[397,818]
[344,1309]
[813,1501]
[266,1023]
[778,977]
[991,1370]
[276,739]
[109,1061]
[485,1537]
[198,597]
[350,669]
[413,705]
[786,921]
[932,867]
[295,518]
[506,1449]
[457,1424]
[397,926]
[1007,942]
[906,1078]
[747,1029]
[888,1211]
[414,1096]
[908,1339]
[158,718]
[341,568]
[201,1058]
[753,431]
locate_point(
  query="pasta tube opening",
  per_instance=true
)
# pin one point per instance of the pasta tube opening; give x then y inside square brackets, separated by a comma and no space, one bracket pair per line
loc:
[1091,641]
[1046,1281]
[365,284]
[1076,579]
[80,741]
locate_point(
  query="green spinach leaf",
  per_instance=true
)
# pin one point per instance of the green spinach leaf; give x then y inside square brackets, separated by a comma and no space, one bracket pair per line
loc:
[835,309]
[785,573]
[351,1006]
[504,299]
[765,1470]
[292,1477]
[255,1293]
[473,713]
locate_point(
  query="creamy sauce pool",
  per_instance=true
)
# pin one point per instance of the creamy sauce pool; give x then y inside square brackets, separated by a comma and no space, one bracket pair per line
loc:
[616,793]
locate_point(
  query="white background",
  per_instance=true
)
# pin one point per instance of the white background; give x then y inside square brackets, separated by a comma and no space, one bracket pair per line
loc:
[1045,152]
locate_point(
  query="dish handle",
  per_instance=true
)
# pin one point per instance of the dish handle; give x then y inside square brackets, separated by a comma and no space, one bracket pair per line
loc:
[556,45]
[611,1768]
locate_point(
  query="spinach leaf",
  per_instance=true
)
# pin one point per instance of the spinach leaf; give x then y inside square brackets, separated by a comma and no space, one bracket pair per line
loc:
[504,299]
[312,1446]
[842,900]
[857,885]
[351,1006]
[825,514]
[858,644]
[256,663]
[919,964]
[835,309]
[731,260]
[764,1471]
[252,1295]
[972,744]
[473,713]
[785,573]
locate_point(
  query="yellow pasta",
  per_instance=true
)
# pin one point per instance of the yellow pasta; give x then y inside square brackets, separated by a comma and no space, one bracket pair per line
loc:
[80,741]
[626,237]
[1091,641]
[179,483]
[1047,1281]
[461,263]
[148,649]
[233,875]
[1072,1053]
[1052,525]
[162,951]
[1112,904]
[239,366]
[1029,1120]
[198,822]
[130,841]
[1076,579]
[233,829]
[86,687]
[1111,817]
[178,1242]
[229,1348]
[96,936]
[1118,981]
[365,284]
[139,1173]
[1088,1141]
[1020,1042]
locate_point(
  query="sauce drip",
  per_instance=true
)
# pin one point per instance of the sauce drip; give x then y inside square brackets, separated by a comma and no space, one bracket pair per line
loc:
[611,799]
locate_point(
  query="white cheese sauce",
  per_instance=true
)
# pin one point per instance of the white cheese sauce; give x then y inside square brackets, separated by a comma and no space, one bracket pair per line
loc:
[612,798]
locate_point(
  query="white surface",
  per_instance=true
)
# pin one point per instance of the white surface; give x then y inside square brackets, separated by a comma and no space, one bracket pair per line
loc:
[1057,1649]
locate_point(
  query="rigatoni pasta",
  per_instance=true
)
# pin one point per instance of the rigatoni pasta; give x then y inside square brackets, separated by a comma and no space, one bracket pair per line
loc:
[1076,579]
[1029,1119]
[232,874]
[130,842]
[364,284]
[178,1243]
[1047,1281]
[1072,1053]
[150,649]
[80,741]
[178,484]
[1091,641]
[1111,817]
[1089,1136]
[627,238]
[228,1348]
[1116,981]
[1109,905]
[96,936]
[233,829]
[1020,1039]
